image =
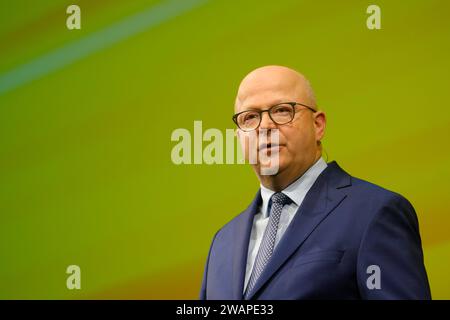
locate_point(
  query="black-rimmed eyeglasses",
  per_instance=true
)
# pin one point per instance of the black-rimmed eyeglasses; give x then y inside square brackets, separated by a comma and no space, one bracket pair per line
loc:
[281,113]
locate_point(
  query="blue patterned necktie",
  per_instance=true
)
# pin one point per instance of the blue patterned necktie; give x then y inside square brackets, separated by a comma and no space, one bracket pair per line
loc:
[268,241]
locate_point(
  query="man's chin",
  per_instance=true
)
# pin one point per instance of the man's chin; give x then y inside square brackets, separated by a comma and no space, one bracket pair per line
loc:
[269,170]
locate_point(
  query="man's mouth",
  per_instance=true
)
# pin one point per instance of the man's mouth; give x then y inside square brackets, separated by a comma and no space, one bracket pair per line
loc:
[269,146]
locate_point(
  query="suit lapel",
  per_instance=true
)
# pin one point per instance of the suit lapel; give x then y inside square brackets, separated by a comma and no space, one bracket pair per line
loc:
[244,223]
[325,195]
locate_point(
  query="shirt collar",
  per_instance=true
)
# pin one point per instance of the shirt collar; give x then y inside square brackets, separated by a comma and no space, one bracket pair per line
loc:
[297,190]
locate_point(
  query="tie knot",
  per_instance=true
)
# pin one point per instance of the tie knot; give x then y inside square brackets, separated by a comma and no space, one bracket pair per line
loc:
[280,198]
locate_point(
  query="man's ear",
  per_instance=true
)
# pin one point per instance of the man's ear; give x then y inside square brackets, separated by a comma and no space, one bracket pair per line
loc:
[320,122]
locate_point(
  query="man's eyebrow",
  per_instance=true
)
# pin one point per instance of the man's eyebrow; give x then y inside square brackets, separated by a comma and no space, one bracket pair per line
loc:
[252,107]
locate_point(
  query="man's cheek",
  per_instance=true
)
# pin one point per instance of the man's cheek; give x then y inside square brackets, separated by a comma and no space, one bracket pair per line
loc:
[249,146]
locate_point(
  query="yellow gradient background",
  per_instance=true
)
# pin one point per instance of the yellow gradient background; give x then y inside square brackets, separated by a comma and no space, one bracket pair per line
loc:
[86,118]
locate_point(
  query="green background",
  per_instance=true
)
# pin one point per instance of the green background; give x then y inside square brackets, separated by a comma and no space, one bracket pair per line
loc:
[86,118]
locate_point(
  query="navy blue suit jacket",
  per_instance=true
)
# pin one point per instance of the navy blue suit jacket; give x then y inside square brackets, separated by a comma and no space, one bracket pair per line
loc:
[343,227]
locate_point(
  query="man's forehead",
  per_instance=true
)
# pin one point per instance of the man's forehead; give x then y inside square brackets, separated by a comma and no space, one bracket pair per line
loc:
[267,97]
[262,101]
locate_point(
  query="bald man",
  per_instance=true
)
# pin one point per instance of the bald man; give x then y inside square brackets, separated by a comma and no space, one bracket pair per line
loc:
[312,231]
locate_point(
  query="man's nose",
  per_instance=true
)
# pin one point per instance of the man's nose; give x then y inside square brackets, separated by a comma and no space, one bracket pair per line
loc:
[266,122]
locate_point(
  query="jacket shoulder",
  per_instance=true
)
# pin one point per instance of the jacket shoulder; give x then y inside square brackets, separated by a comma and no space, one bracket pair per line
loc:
[375,192]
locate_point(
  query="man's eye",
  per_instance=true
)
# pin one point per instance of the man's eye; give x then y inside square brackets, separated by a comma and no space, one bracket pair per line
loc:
[282,110]
[250,117]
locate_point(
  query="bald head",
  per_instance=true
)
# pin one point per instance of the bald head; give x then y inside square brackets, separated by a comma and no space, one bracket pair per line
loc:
[273,84]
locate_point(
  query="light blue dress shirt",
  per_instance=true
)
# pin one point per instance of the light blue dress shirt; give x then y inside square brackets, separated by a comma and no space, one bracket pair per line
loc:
[296,191]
